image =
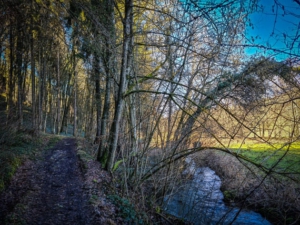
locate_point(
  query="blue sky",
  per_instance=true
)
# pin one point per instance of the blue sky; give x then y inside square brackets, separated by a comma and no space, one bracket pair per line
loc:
[276,26]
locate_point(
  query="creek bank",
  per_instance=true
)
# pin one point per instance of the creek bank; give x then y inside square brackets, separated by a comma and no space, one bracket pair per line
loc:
[200,201]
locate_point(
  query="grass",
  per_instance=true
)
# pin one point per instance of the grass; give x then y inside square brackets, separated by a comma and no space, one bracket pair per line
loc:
[281,160]
[279,156]
[257,146]
[16,149]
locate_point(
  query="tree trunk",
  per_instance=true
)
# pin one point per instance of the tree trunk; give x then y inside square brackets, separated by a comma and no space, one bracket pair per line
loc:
[52,108]
[58,96]
[75,84]
[126,68]
[46,97]
[40,103]
[19,51]
[171,74]
[33,103]
[98,97]
[108,64]
[67,104]
[133,132]
[10,78]
[75,104]
[104,119]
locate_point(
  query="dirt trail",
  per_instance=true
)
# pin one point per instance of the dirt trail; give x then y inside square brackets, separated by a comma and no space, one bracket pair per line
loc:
[50,191]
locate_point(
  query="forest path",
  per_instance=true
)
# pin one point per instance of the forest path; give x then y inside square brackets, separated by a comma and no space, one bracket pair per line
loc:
[50,190]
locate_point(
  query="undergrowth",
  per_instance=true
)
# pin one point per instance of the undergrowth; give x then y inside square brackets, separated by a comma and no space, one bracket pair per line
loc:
[126,209]
[18,147]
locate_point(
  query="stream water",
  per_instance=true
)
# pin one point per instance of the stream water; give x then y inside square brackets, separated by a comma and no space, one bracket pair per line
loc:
[200,201]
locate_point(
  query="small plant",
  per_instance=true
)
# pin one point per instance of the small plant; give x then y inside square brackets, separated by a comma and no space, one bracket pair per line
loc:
[158,209]
[229,195]
[2,186]
[127,210]
[15,219]
[94,199]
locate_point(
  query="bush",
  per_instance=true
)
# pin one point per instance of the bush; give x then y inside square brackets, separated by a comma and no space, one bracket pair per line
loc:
[127,211]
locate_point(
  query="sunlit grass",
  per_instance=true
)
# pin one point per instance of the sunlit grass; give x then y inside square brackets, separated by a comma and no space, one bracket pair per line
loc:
[280,157]
[255,146]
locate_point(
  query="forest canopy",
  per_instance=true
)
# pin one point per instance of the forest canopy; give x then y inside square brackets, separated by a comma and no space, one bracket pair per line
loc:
[141,78]
[151,82]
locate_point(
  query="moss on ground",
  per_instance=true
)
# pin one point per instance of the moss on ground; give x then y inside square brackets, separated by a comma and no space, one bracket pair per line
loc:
[16,149]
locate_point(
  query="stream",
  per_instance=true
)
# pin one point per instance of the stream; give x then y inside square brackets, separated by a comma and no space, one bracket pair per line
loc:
[200,201]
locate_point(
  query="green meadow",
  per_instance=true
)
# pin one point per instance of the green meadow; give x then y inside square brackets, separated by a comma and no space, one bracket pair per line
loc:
[281,157]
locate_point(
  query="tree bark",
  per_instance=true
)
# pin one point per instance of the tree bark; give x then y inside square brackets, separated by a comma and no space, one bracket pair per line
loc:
[58,95]
[104,119]
[41,90]
[108,66]
[126,68]
[66,107]
[19,51]
[98,97]
[75,82]
[75,105]
[33,103]
[11,75]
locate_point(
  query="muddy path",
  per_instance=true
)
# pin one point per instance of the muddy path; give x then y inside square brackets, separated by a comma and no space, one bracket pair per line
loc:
[51,190]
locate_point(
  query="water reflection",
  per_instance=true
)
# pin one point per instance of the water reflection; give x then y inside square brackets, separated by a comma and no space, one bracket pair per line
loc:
[200,201]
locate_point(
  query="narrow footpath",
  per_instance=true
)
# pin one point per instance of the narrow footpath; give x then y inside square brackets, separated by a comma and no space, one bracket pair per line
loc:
[50,191]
